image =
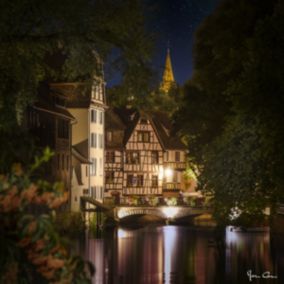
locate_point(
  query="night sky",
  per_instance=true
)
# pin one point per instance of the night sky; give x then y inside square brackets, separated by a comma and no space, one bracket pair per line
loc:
[175,21]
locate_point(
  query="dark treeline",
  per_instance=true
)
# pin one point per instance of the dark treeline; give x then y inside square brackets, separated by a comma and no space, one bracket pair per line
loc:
[232,115]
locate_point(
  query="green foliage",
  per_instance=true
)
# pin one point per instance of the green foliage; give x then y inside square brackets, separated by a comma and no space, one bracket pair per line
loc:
[70,223]
[232,117]
[31,249]
[34,33]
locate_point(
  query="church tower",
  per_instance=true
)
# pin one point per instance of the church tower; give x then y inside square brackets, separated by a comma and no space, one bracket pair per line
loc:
[168,80]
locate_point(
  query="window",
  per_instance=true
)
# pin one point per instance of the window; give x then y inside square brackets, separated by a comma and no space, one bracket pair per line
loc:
[101,114]
[130,180]
[63,129]
[109,177]
[110,157]
[93,167]
[132,158]
[143,136]
[177,156]
[140,180]
[67,162]
[93,116]
[93,140]
[109,136]
[154,181]
[155,157]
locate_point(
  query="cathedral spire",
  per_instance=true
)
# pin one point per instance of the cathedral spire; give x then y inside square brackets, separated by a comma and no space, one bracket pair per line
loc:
[168,76]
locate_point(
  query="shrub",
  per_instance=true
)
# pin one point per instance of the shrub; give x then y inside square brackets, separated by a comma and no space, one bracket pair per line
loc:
[31,248]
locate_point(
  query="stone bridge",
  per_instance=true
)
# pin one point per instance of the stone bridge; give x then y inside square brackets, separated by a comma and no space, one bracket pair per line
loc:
[165,212]
[118,212]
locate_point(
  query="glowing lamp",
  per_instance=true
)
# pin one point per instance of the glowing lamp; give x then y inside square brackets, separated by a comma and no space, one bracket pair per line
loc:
[170,212]
[169,172]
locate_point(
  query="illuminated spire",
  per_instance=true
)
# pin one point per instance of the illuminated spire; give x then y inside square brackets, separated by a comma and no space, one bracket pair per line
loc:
[168,75]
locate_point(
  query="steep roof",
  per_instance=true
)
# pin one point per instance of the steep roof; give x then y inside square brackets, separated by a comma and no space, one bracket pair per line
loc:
[46,103]
[81,149]
[125,120]
[76,95]
[114,123]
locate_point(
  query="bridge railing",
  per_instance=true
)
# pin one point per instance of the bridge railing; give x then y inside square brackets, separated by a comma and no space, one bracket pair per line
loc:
[135,201]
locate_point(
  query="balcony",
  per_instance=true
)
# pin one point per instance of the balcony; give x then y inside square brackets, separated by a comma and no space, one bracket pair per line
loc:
[171,186]
[175,165]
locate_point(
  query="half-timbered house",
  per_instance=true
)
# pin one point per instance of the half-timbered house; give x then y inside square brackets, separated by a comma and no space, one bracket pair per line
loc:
[142,156]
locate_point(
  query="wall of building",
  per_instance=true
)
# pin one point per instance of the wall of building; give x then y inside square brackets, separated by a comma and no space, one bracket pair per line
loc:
[96,132]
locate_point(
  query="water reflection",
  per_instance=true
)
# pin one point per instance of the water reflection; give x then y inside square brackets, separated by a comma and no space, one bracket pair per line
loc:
[169,234]
[173,254]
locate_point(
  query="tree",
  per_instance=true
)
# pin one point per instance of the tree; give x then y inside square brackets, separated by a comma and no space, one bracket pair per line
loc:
[31,31]
[235,101]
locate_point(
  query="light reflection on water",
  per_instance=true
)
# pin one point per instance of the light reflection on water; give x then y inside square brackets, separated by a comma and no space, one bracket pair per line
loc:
[175,254]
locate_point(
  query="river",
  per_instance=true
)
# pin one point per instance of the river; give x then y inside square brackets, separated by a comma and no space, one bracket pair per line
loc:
[185,255]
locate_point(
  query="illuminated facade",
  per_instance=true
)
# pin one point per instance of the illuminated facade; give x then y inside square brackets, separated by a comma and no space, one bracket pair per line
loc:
[142,157]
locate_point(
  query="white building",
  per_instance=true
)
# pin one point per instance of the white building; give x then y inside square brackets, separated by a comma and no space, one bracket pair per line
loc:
[87,105]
